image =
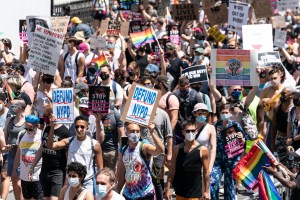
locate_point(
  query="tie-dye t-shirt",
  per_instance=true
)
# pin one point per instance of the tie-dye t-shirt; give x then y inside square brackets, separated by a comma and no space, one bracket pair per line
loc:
[137,176]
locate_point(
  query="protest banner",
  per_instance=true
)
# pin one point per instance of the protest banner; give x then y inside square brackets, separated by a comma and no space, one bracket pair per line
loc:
[237,15]
[185,11]
[104,26]
[124,28]
[45,50]
[156,50]
[287,4]
[60,24]
[141,104]
[99,99]
[278,21]
[279,38]
[23,31]
[114,27]
[262,8]
[255,38]
[217,14]
[233,67]
[174,34]
[32,22]
[268,58]
[135,27]
[63,105]
[216,34]
[98,42]
[208,3]
[196,74]
[126,4]
[233,145]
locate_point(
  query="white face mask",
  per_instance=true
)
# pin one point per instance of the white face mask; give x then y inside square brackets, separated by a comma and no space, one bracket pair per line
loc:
[1,107]
[229,36]
[73,182]
[190,136]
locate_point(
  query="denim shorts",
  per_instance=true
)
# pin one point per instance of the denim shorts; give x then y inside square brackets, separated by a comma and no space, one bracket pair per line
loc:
[10,165]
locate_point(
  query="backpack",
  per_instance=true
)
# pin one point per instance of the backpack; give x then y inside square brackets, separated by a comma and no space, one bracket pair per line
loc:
[76,62]
[153,171]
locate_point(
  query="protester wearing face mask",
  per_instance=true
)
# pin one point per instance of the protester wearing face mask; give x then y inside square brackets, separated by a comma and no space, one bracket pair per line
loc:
[223,164]
[133,72]
[136,155]
[105,181]
[92,77]
[174,68]
[187,183]
[86,50]
[29,141]
[75,189]
[152,70]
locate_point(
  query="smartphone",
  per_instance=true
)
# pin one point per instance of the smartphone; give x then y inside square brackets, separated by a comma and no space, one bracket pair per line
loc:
[124,141]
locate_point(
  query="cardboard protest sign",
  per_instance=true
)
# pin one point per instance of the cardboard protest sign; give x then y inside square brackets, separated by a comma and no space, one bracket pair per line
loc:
[287,4]
[237,15]
[126,4]
[45,50]
[141,104]
[99,99]
[255,38]
[23,31]
[279,38]
[32,22]
[196,74]
[60,24]
[233,67]
[161,10]
[63,106]
[233,145]
[124,28]
[185,11]
[268,58]
[104,26]
[208,3]
[114,27]
[217,14]
[278,21]
[135,27]
[262,8]
[156,50]
[174,34]
[98,42]
[216,34]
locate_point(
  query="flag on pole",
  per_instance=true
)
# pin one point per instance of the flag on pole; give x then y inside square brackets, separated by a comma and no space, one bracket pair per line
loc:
[100,60]
[266,187]
[168,16]
[140,38]
[10,92]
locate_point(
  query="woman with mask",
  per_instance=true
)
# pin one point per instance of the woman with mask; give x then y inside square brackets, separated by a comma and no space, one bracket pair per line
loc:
[74,189]
[223,164]
[133,71]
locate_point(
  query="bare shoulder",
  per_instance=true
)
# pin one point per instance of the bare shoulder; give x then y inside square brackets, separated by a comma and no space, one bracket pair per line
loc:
[203,152]
[88,195]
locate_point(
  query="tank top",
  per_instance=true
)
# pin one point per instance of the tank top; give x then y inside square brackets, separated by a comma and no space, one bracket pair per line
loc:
[203,137]
[13,134]
[281,118]
[70,66]
[188,177]
[138,178]
[81,196]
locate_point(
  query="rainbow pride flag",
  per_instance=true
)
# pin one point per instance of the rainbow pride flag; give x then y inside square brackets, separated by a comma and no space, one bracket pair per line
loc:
[266,187]
[169,17]
[10,92]
[100,60]
[248,168]
[140,38]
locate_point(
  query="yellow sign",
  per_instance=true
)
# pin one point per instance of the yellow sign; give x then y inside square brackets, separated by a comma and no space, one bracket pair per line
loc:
[216,34]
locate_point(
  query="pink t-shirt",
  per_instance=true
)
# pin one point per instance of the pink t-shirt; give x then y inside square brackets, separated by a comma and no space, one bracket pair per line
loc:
[173,102]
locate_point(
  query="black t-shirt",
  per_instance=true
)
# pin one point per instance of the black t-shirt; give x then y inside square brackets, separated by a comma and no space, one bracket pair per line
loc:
[296,192]
[290,67]
[54,159]
[142,62]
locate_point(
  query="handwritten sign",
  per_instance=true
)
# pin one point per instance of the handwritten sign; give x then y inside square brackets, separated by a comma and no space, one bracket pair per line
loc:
[268,58]
[141,104]
[262,8]
[279,38]
[114,27]
[185,11]
[98,42]
[60,24]
[196,74]
[63,106]
[287,4]
[45,50]
[174,34]
[217,14]
[23,31]
[34,21]
[216,34]
[233,67]
[233,145]
[237,15]
[99,99]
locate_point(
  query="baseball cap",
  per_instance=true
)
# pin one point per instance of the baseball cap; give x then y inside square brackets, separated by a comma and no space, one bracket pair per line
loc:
[83,102]
[170,46]
[83,47]
[93,65]
[200,106]
[197,29]
[32,119]
[76,20]
[164,80]
[80,86]
[152,68]
[199,50]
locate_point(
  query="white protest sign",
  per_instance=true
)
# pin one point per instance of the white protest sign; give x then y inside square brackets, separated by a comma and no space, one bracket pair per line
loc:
[279,38]
[268,58]
[283,5]
[258,37]
[98,42]
[63,106]
[141,104]
[237,15]
[45,50]
[33,21]
[60,24]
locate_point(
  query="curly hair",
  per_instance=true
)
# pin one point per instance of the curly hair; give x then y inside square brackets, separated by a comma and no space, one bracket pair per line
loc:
[277,68]
[79,168]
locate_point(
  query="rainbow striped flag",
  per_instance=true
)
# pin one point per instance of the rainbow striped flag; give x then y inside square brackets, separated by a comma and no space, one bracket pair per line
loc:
[140,38]
[100,60]
[10,92]
[248,168]
[169,17]
[266,187]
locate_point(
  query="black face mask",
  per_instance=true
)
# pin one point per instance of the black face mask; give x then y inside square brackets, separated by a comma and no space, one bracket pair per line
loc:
[283,98]
[157,87]
[104,77]
[183,64]
[48,80]
[131,73]
[296,102]
[91,77]
[168,54]
[263,74]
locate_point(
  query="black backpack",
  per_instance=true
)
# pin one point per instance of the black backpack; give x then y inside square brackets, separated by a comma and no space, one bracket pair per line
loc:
[76,62]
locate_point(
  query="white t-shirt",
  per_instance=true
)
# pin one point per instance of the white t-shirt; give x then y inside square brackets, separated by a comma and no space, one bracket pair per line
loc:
[115,196]
[119,93]
[159,34]
[70,65]
[29,145]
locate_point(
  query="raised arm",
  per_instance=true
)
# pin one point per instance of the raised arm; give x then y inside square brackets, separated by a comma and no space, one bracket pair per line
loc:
[158,147]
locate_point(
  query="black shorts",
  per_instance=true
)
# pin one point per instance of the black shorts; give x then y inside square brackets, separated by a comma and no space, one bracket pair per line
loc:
[32,189]
[3,168]
[98,15]
[52,182]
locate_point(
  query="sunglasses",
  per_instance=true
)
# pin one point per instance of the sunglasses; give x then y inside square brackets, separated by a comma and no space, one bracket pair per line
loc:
[78,126]
[237,90]
[28,129]
[191,130]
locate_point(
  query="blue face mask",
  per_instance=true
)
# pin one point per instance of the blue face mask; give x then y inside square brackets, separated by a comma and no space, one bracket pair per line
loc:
[110,46]
[101,190]
[225,117]
[236,94]
[201,119]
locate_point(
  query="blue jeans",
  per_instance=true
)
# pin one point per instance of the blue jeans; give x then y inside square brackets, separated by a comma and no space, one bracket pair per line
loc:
[10,165]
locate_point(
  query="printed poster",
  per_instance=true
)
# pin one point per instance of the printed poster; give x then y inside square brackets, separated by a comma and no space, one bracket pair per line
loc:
[63,106]
[23,31]
[156,50]
[196,74]
[174,34]
[33,21]
[279,38]
[268,58]
[141,105]
[234,67]
[99,99]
